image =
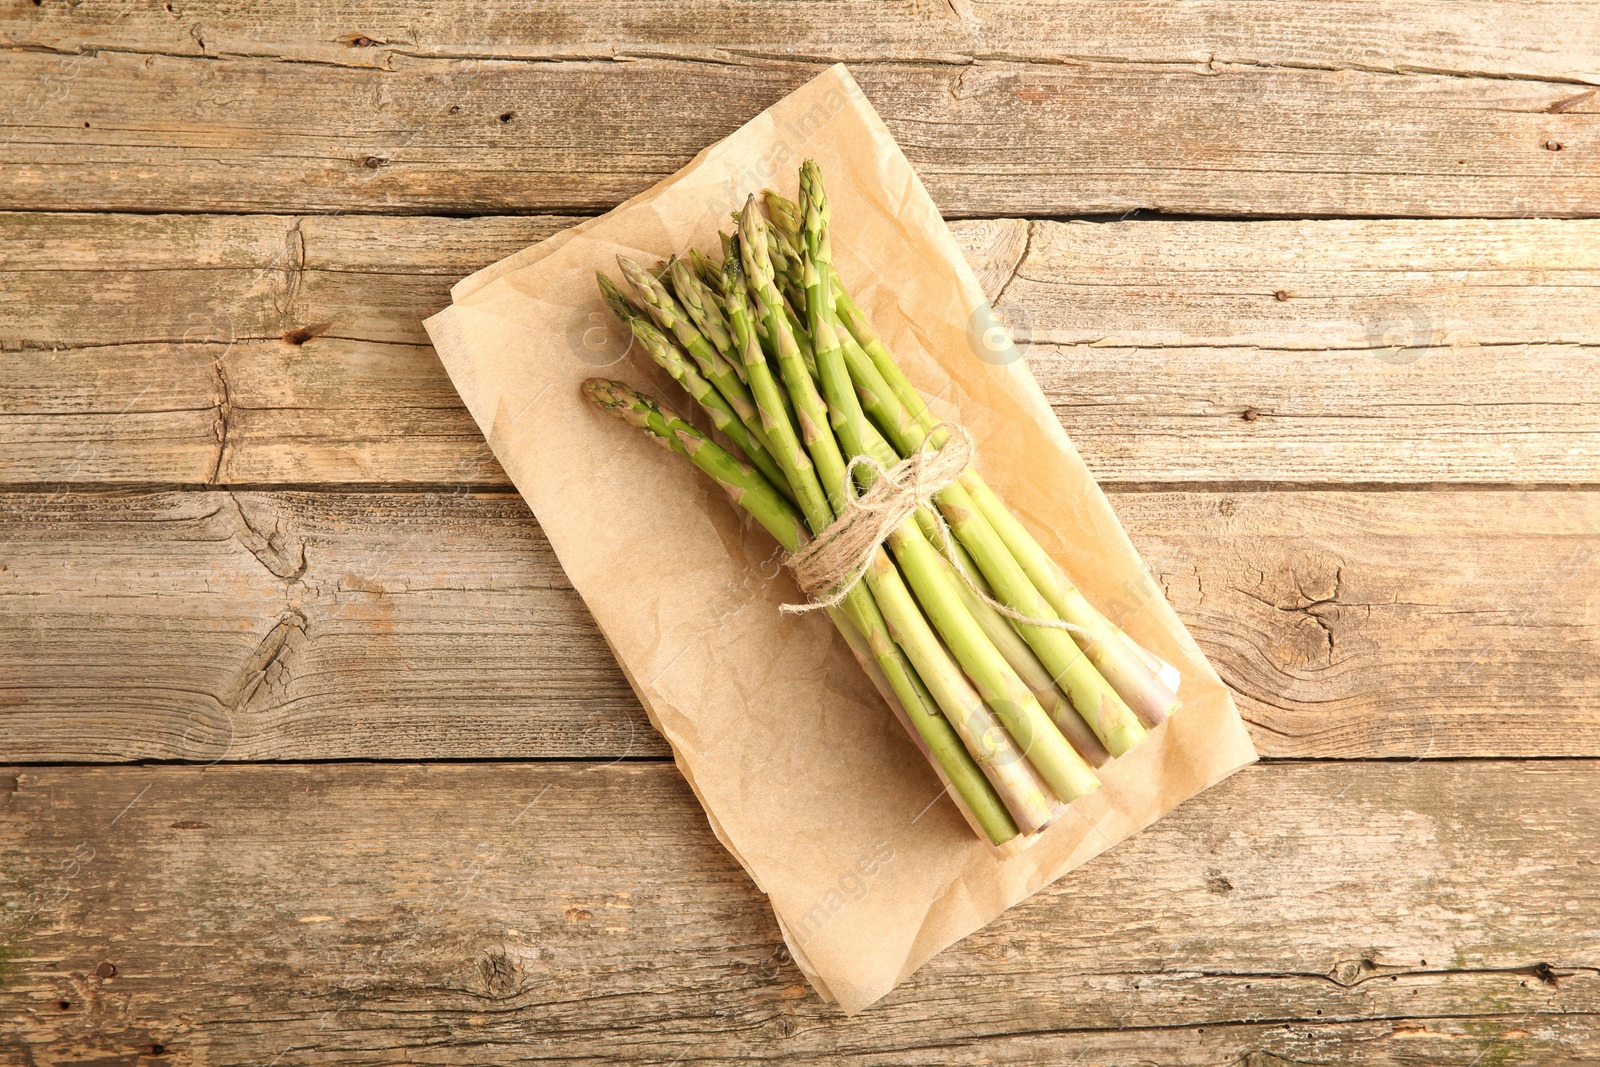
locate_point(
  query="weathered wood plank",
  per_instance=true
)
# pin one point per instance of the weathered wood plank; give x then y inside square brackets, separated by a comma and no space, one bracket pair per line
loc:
[174,348]
[1318,285]
[112,130]
[490,914]
[263,625]
[85,279]
[152,348]
[1538,39]
[305,626]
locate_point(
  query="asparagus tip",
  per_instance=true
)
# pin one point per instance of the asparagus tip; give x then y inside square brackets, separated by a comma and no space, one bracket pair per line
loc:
[615,299]
[633,270]
[603,392]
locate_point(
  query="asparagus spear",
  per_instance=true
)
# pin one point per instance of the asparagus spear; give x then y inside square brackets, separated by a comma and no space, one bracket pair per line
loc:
[1000,630]
[787,220]
[616,300]
[928,658]
[901,620]
[1132,671]
[671,358]
[863,655]
[1029,797]
[900,410]
[746,486]
[704,309]
[1033,673]
[849,419]
[785,215]
[768,507]
[670,316]
[927,571]
[1109,649]
[706,270]
[1112,650]
[788,271]
[996,627]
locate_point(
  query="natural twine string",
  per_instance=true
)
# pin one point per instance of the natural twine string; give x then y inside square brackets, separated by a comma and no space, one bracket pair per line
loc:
[837,559]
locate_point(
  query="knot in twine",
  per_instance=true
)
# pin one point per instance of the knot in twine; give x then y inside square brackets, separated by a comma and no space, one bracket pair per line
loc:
[836,560]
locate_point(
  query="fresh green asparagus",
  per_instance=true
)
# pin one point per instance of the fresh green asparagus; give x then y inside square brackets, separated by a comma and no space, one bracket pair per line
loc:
[1011,684]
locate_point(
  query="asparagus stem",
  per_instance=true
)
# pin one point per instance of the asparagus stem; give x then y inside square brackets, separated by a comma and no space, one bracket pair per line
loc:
[927,660]
[880,681]
[750,491]
[1005,637]
[748,488]
[999,754]
[772,404]
[1105,644]
[931,656]
[802,339]
[927,571]
[1092,695]
[1024,576]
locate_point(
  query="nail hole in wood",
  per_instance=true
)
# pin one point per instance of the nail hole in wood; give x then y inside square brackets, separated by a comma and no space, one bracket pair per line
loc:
[295,337]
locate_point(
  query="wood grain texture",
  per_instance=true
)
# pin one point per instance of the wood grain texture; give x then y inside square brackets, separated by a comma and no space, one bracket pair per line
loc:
[1321,914]
[128,130]
[264,625]
[271,350]
[1554,39]
[1418,912]
[237,349]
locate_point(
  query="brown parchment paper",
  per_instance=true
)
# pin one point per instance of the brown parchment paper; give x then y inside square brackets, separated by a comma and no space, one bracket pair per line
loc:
[804,775]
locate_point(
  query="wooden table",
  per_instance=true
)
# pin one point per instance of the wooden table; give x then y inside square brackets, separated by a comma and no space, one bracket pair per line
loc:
[315,756]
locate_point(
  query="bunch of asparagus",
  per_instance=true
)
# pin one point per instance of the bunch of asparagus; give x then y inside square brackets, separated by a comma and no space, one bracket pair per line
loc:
[1013,714]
